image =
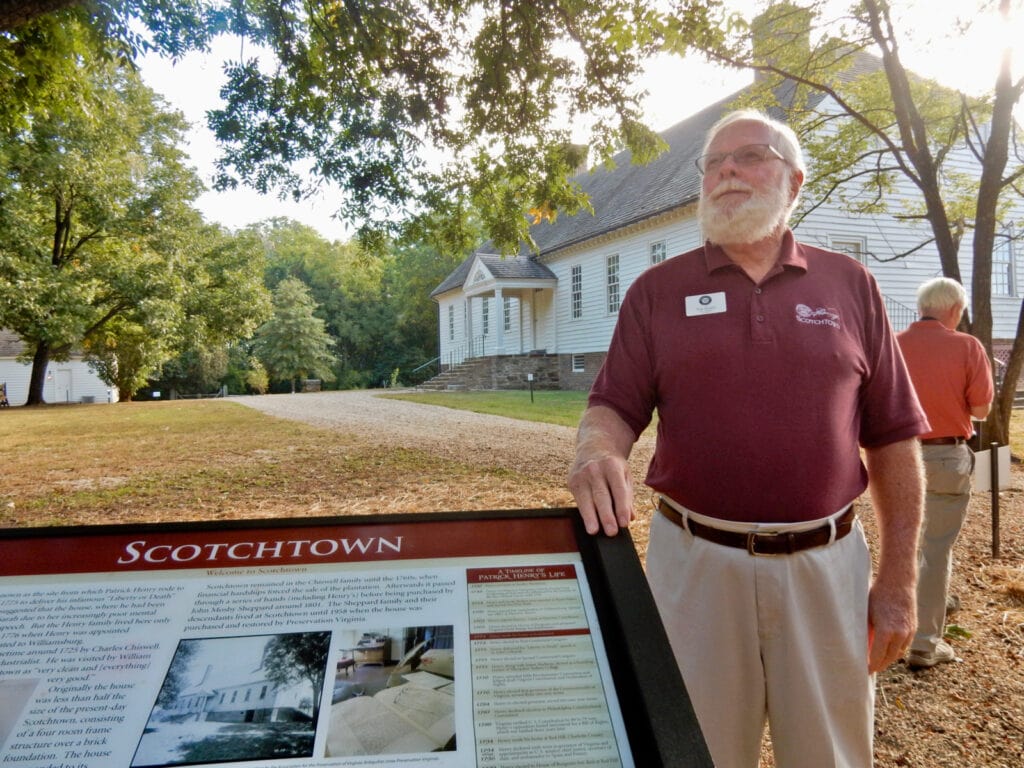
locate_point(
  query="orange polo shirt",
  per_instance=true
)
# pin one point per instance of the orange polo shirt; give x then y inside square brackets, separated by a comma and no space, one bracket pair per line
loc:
[951,374]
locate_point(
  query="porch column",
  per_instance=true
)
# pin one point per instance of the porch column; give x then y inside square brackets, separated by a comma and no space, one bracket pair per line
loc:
[468,346]
[499,346]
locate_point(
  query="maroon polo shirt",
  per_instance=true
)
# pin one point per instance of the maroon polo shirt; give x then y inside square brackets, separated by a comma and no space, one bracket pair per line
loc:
[764,393]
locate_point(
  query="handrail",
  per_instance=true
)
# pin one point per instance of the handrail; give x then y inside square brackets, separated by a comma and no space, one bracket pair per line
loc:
[900,315]
[461,352]
[429,362]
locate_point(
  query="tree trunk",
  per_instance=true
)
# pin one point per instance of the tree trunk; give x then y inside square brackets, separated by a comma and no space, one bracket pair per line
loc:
[997,427]
[37,380]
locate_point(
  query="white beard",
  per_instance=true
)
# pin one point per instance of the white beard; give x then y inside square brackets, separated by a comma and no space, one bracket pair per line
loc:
[754,219]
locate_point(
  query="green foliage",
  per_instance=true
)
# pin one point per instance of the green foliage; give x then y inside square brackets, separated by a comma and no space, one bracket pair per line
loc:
[256,378]
[956,632]
[369,95]
[92,205]
[100,249]
[293,343]
[375,305]
[222,300]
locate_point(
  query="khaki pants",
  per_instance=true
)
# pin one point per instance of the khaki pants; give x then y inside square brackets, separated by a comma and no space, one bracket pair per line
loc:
[948,470]
[776,639]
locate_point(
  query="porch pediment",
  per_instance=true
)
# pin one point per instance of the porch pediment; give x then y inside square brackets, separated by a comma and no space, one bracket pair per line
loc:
[479,276]
[487,274]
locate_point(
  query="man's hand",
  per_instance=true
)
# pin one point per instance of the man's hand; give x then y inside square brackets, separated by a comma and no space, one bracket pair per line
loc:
[600,478]
[892,619]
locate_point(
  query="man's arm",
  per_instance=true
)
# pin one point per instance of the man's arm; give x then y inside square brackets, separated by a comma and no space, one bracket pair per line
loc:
[600,478]
[897,493]
[980,412]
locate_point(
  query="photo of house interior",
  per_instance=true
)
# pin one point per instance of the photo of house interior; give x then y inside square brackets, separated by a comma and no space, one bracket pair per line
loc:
[394,692]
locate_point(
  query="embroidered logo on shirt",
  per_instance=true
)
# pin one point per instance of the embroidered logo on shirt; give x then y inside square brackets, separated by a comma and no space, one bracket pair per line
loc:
[820,316]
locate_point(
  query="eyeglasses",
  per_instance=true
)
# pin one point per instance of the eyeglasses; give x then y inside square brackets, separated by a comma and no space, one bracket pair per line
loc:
[750,154]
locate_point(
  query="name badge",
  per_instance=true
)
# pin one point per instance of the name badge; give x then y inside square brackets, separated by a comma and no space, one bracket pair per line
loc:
[705,304]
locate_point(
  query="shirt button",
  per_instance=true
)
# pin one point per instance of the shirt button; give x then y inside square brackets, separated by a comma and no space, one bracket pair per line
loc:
[760,318]
[757,290]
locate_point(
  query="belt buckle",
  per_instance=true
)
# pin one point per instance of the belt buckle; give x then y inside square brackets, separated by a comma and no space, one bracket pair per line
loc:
[752,538]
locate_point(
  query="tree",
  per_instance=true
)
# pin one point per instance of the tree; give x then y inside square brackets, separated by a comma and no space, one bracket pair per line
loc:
[410,273]
[361,94]
[94,187]
[177,677]
[290,658]
[891,125]
[125,353]
[222,300]
[293,344]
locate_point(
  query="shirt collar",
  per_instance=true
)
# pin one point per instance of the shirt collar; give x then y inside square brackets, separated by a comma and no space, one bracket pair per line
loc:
[792,255]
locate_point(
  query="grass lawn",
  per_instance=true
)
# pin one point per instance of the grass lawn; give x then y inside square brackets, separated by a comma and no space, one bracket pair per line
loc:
[212,459]
[548,406]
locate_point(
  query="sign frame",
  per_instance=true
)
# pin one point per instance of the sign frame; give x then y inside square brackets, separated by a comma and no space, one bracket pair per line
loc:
[657,714]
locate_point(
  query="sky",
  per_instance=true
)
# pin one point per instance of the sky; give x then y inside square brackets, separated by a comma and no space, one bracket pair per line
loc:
[677,88]
[192,86]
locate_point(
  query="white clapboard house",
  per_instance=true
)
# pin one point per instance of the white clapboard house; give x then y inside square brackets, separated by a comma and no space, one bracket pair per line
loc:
[547,317]
[71,381]
[253,699]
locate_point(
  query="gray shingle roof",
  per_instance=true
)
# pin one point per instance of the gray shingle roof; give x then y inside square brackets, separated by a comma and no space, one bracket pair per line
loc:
[627,194]
[10,344]
[620,196]
[518,267]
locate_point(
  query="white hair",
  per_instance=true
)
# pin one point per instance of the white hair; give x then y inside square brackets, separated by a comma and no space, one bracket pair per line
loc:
[781,135]
[940,295]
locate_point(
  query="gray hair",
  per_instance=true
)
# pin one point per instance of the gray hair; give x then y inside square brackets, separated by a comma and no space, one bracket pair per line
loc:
[781,135]
[940,295]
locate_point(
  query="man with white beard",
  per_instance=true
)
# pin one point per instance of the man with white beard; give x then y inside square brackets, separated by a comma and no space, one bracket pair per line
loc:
[771,364]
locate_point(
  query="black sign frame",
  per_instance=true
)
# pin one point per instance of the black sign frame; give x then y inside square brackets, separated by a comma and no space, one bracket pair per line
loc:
[657,713]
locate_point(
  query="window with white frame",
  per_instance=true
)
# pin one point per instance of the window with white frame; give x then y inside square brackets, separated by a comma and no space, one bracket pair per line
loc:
[485,316]
[613,283]
[1003,265]
[854,247]
[578,364]
[658,252]
[451,322]
[577,291]
[507,313]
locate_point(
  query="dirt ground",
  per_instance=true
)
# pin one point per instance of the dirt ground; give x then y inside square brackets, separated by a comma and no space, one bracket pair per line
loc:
[968,713]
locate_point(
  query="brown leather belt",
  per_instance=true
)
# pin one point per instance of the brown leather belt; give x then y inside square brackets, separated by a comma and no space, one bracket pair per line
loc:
[943,441]
[783,543]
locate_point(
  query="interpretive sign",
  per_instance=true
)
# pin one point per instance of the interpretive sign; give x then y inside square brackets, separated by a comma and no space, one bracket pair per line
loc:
[482,640]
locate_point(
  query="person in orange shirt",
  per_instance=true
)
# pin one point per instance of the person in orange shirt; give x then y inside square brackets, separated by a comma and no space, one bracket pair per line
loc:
[953,379]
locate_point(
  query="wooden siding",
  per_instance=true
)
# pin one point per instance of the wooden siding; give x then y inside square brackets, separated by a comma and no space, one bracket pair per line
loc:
[593,331]
[883,237]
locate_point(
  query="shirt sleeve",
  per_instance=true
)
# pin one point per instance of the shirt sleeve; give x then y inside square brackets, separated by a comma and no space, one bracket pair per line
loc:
[980,389]
[626,381]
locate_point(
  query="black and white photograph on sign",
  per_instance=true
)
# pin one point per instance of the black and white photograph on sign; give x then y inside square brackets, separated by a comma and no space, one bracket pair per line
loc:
[394,692]
[237,698]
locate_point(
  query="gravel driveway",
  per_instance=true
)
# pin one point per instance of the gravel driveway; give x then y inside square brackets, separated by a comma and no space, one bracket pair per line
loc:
[532,448]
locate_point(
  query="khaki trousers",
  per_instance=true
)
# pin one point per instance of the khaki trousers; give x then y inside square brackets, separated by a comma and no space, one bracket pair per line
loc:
[948,470]
[781,640]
